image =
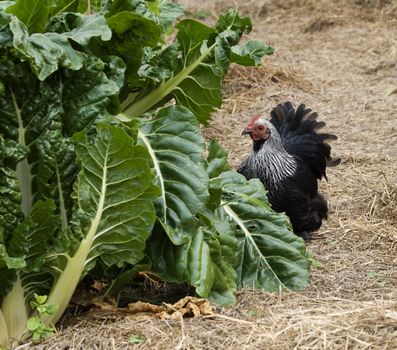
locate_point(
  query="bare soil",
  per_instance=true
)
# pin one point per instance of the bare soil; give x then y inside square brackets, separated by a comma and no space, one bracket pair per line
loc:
[340,59]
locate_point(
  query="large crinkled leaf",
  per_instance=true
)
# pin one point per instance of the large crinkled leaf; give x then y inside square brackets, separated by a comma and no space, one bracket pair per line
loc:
[272,256]
[27,108]
[115,189]
[231,20]
[132,33]
[216,159]
[189,262]
[222,239]
[176,145]
[10,197]
[34,126]
[250,53]
[56,170]
[204,262]
[207,261]
[216,165]
[58,6]
[30,236]
[168,12]
[38,117]
[87,93]
[30,240]
[5,32]
[33,13]
[46,52]
[133,24]
[200,57]
[199,92]
[224,254]
[28,243]
[81,28]
[35,49]
[113,211]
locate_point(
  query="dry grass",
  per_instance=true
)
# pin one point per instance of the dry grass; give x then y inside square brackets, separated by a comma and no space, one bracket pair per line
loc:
[285,321]
[339,58]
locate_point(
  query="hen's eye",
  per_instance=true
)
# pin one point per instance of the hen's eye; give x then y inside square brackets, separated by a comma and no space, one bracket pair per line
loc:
[260,127]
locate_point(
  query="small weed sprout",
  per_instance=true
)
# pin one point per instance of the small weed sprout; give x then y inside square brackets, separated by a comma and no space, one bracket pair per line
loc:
[38,328]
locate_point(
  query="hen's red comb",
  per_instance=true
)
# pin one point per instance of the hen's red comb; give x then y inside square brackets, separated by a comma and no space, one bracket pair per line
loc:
[253,120]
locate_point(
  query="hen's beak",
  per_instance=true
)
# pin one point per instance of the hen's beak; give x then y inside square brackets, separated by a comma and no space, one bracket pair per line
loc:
[247,132]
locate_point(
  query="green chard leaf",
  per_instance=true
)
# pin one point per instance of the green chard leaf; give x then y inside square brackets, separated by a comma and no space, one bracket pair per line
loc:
[87,93]
[169,12]
[28,108]
[10,197]
[29,243]
[216,159]
[189,262]
[175,144]
[208,260]
[222,240]
[192,68]
[35,48]
[224,252]
[56,170]
[33,13]
[250,53]
[231,20]
[132,34]
[81,28]
[39,116]
[58,6]
[113,211]
[272,256]
[116,178]
[216,165]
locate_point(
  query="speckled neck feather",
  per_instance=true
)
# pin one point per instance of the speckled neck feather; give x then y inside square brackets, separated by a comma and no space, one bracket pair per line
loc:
[270,161]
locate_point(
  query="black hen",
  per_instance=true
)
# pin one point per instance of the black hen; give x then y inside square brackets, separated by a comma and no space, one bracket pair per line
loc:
[289,156]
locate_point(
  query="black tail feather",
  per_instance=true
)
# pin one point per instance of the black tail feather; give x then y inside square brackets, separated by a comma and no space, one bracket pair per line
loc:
[298,130]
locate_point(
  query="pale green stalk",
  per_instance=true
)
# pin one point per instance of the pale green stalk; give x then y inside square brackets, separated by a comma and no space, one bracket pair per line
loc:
[62,207]
[144,104]
[67,282]
[3,331]
[15,313]
[23,172]
[157,171]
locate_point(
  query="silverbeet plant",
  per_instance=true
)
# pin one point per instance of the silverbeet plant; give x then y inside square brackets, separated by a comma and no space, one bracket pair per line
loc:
[101,159]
